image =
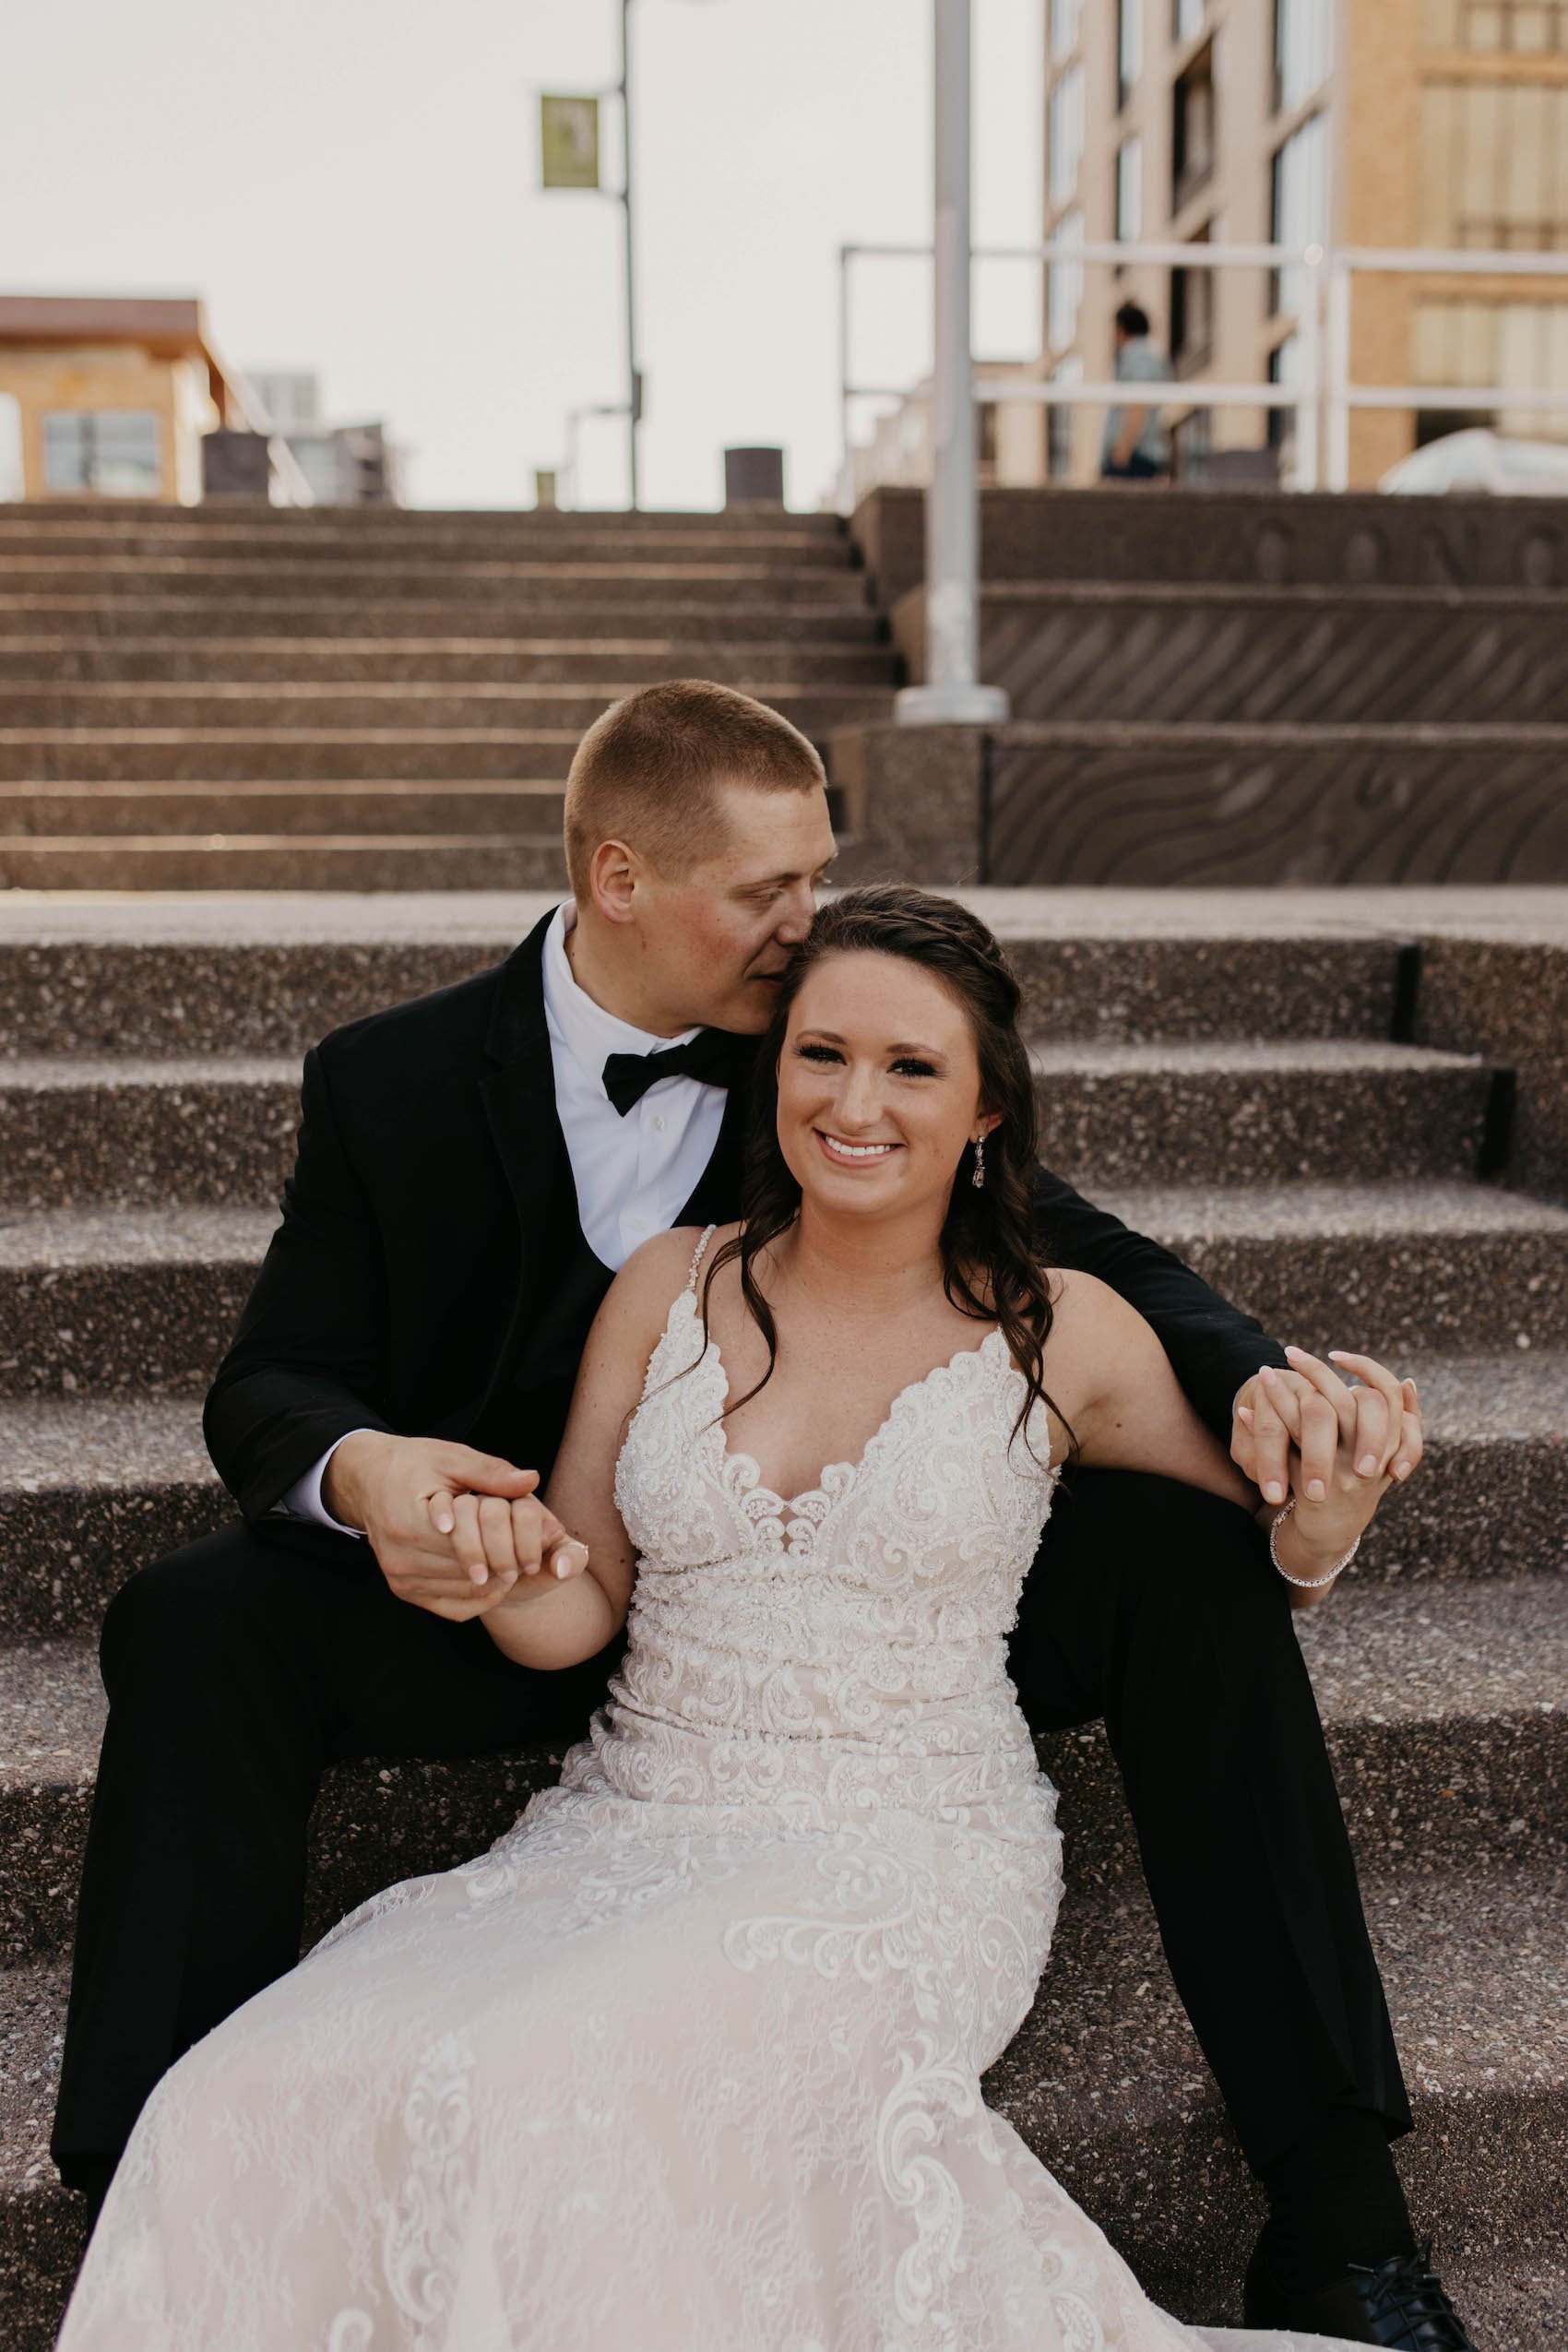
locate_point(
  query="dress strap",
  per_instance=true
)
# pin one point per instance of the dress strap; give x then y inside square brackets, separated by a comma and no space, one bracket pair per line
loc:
[708,1233]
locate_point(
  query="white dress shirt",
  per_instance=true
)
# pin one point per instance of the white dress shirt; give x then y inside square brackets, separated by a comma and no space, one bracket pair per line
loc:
[633,1175]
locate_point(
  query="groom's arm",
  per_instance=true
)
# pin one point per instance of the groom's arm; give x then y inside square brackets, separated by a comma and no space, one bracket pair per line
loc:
[1212,1346]
[306,1366]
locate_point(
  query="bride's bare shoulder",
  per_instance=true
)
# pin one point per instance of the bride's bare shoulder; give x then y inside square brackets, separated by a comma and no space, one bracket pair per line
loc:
[1092,1325]
[661,1267]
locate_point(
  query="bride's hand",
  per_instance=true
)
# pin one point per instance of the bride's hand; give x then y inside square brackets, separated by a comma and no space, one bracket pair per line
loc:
[1349,1445]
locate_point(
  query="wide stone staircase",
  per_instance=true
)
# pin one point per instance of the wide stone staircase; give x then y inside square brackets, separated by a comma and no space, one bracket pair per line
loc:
[263,699]
[1297,1093]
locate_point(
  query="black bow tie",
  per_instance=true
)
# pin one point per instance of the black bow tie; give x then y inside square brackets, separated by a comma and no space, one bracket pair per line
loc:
[710,1057]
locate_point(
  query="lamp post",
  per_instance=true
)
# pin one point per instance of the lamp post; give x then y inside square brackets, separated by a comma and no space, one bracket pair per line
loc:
[633,373]
[951,695]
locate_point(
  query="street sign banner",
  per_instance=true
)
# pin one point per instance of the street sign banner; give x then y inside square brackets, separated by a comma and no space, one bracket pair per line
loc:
[568,141]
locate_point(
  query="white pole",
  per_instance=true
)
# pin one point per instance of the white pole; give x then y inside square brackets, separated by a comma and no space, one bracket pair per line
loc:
[950,696]
[1338,470]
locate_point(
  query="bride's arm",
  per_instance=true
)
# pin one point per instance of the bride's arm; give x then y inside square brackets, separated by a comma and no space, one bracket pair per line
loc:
[1129,1413]
[556,1619]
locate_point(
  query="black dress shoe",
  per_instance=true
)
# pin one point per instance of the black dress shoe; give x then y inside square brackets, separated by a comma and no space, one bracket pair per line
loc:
[1399,2303]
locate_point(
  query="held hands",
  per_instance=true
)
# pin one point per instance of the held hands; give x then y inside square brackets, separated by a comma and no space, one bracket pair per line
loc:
[455,1531]
[1338,1448]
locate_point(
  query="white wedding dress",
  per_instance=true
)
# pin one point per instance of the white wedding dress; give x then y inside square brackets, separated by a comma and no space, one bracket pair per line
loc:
[690,2061]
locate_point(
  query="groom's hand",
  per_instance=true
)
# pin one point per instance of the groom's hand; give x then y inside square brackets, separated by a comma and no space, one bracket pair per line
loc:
[451,1528]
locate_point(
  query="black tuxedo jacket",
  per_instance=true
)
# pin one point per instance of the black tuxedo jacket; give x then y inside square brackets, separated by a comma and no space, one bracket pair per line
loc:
[430,1277]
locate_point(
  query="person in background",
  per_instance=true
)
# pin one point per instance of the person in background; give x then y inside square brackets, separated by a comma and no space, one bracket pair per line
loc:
[1136,447]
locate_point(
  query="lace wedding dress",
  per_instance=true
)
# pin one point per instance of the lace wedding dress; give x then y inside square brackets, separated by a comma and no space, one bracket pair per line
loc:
[689,2062]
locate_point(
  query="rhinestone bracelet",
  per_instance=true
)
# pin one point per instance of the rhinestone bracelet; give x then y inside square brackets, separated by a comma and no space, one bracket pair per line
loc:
[1306,1583]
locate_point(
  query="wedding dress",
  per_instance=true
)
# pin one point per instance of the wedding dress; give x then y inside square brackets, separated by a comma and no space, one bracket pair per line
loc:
[690,2061]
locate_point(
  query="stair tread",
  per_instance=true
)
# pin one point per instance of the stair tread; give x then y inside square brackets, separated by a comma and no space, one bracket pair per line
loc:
[52,1442]
[80,1236]
[127,844]
[1379,1655]
[1337,1056]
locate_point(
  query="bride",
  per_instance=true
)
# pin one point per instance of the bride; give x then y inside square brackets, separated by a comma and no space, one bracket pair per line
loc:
[690,2061]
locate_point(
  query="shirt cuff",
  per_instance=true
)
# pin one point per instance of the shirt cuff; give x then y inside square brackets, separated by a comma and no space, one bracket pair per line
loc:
[303,1498]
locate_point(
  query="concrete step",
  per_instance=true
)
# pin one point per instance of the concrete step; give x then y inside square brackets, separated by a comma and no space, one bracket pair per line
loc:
[1443,1703]
[258,515]
[417,706]
[1106,2083]
[352,861]
[496,808]
[570,611]
[1167,805]
[613,580]
[222,974]
[1315,655]
[220,1129]
[111,1302]
[570,540]
[93,1488]
[761,667]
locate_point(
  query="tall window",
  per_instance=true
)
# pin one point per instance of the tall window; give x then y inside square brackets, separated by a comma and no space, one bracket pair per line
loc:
[1303,51]
[1492,158]
[1064,286]
[1192,137]
[112,450]
[1129,190]
[1187,19]
[1065,135]
[1522,27]
[1059,421]
[1064,17]
[1299,212]
[1192,313]
[1129,48]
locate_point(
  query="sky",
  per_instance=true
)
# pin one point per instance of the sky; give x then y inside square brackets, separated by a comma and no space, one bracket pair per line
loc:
[353,186]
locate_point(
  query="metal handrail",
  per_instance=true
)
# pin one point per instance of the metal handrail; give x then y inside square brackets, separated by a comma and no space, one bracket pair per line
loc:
[1325,389]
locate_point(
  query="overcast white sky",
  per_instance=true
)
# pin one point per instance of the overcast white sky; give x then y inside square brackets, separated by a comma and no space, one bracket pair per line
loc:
[352,184]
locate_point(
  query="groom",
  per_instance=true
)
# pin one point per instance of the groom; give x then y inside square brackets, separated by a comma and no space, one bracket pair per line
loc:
[471,1169]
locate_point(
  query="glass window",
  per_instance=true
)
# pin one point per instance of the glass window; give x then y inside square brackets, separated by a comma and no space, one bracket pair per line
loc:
[1064,19]
[1064,286]
[1491,173]
[1300,206]
[1522,27]
[1187,19]
[1129,190]
[1065,135]
[112,450]
[1303,51]
[1129,47]
[1059,421]
[1194,138]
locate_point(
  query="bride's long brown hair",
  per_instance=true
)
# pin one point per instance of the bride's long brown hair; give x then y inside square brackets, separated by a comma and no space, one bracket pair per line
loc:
[990,1267]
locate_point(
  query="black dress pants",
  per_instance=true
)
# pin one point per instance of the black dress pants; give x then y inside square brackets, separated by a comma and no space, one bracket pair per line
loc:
[239,1667]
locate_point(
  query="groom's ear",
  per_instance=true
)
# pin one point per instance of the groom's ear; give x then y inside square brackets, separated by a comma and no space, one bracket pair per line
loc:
[612,877]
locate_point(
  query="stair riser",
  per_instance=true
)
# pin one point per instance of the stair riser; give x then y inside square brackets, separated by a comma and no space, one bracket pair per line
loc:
[1164,813]
[217,620]
[1464,1293]
[459,588]
[1264,663]
[1494,1507]
[1447,1795]
[230,1142]
[417,709]
[440,662]
[62,811]
[163,1327]
[1171,2190]
[36,552]
[374,864]
[85,997]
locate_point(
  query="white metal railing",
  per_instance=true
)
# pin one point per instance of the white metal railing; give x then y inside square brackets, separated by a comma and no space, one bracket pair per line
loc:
[1323,393]
[290,483]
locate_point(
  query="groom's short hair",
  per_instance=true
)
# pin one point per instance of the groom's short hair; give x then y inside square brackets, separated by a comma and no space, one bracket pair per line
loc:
[647,771]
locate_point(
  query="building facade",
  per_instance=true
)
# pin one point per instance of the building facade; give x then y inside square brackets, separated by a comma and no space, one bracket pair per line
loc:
[1438,123]
[106,397]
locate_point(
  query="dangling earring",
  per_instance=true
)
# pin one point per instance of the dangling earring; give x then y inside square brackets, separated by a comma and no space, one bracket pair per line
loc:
[977,1179]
